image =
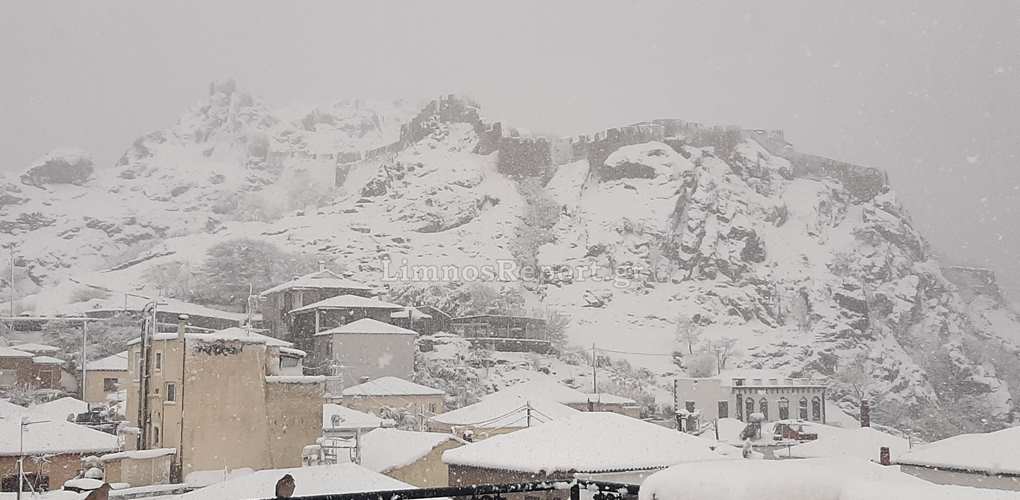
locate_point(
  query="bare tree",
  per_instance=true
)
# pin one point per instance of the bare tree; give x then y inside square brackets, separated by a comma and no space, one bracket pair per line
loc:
[723,349]
[687,333]
[855,377]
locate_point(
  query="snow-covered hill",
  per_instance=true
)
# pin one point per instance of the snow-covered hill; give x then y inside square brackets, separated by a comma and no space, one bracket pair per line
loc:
[784,253]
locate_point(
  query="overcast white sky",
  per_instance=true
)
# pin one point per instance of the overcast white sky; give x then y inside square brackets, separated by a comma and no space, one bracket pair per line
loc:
[927,90]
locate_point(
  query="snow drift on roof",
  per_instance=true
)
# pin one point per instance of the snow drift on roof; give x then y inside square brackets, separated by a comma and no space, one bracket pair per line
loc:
[138,454]
[37,348]
[347,301]
[383,450]
[318,480]
[319,279]
[862,442]
[47,360]
[233,334]
[7,352]
[368,326]
[505,410]
[113,362]
[59,409]
[585,442]
[800,480]
[993,452]
[55,437]
[348,418]
[391,386]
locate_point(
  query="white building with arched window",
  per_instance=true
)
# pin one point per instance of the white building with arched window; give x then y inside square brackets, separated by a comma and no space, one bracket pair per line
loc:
[740,393]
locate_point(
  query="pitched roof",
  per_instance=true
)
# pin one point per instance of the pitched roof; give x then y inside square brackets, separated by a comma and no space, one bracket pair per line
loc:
[134,304]
[59,409]
[319,279]
[585,442]
[347,302]
[549,388]
[505,410]
[348,418]
[37,348]
[383,450]
[113,362]
[993,452]
[391,386]
[368,326]
[55,437]
[317,480]
[7,352]
[233,334]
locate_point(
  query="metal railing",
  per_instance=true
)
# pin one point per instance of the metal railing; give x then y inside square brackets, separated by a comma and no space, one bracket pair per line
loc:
[602,491]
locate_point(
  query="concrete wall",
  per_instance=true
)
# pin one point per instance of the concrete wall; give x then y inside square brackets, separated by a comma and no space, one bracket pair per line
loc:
[372,404]
[59,468]
[429,471]
[94,392]
[139,472]
[294,414]
[372,356]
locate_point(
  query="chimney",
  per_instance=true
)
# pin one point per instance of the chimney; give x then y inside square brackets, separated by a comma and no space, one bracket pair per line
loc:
[182,324]
[865,414]
[883,456]
[322,265]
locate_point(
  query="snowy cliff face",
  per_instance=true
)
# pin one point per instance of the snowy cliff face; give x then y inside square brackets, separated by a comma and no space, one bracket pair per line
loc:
[804,273]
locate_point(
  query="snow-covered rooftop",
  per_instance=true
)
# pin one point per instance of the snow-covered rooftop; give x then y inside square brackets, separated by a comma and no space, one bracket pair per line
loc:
[113,362]
[810,479]
[549,388]
[391,386]
[317,480]
[134,304]
[138,454]
[383,450]
[58,409]
[37,348]
[862,442]
[52,436]
[993,452]
[9,352]
[368,326]
[319,279]
[503,410]
[348,418]
[233,334]
[585,442]
[347,301]
[47,360]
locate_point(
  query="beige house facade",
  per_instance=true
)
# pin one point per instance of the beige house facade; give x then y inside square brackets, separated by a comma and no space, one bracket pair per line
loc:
[105,377]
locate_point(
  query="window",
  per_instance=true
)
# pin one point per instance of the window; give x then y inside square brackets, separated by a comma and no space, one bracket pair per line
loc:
[155,436]
[773,381]
[803,409]
[784,409]
[750,408]
[159,360]
[689,406]
[724,409]
[171,392]
[816,409]
[289,362]
[740,408]
[763,407]
[8,378]
[110,384]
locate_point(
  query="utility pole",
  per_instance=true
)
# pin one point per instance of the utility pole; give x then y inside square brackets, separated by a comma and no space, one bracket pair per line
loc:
[84,359]
[22,424]
[12,280]
[527,408]
[594,370]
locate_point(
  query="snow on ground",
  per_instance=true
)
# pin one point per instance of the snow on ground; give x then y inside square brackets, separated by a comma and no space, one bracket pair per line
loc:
[811,479]
[863,443]
[992,452]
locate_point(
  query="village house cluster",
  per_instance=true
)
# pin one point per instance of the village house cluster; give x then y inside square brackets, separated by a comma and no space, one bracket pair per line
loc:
[320,385]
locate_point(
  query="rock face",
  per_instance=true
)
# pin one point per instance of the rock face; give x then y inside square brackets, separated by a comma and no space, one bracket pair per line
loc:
[62,166]
[811,266]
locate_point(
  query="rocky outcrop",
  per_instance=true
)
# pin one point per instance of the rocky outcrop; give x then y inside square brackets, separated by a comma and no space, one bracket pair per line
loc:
[59,167]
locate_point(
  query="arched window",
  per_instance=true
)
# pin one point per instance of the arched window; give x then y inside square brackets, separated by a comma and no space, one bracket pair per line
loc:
[784,409]
[803,409]
[740,407]
[155,436]
[750,408]
[763,407]
[816,409]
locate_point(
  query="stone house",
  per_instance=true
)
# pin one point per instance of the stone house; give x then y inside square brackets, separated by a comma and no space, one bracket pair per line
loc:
[306,321]
[21,368]
[367,349]
[228,399]
[276,302]
[393,394]
[503,332]
[105,377]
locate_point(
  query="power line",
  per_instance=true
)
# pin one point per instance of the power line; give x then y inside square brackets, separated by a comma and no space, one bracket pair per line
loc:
[635,353]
